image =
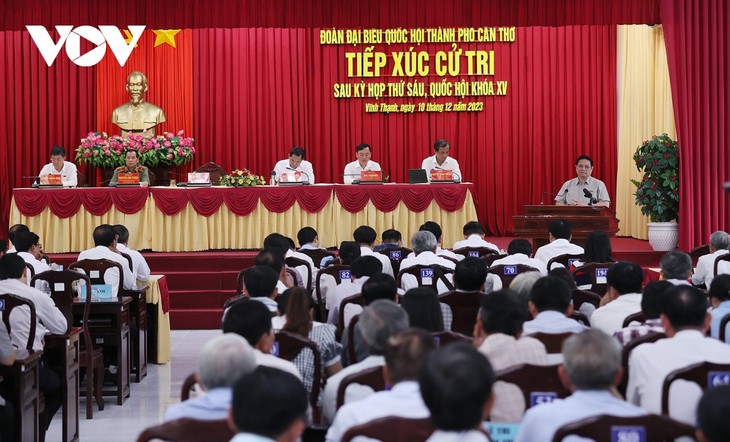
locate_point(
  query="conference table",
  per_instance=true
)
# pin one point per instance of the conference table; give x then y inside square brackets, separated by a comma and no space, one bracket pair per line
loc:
[185,219]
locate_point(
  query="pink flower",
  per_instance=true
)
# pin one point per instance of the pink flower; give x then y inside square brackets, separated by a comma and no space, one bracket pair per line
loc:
[107,153]
[168,144]
[180,133]
[87,154]
[169,135]
[169,156]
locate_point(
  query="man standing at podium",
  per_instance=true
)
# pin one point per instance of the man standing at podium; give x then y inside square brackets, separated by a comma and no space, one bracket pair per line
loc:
[584,190]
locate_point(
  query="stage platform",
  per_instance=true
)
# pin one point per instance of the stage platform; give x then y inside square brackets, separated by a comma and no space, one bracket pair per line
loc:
[200,282]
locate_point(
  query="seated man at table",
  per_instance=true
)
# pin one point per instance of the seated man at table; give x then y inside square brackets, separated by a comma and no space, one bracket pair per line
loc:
[106,248]
[139,264]
[131,165]
[59,166]
[293,165]
[223,360]
[441,160]
[474,237]
[29,248]
[49,319]
[361,164]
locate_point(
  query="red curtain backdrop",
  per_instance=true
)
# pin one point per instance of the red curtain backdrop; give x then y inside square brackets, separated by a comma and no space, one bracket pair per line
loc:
[698,54]
[258,92]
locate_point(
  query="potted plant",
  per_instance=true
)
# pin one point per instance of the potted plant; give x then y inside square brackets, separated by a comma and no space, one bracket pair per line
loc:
[658,191]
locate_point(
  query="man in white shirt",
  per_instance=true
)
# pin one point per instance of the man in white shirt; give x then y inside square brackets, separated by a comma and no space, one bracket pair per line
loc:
[591,370]
[361,270]
[106,248]
[424,246]
[561,232]
[624,297]
[293,166]
[277,241]
[685,320]
[378,322]
[362,163]
[59,166]
[441,160]
[260,285]
[349,252]
[705,271]
[583,190]
[223,360]
[14,230]
[456,385]
[474,237]
[435,228]
[519,251]
[252,320]
[49,319]
[676,267]
[551,305]
[405,354]
[139,264]
[365,236]
[28,247]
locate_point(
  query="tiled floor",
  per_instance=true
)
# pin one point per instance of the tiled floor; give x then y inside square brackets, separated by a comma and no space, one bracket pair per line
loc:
[148,400]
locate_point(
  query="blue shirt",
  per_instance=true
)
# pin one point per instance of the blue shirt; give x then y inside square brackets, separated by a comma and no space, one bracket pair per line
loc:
[211,406]
[717,315]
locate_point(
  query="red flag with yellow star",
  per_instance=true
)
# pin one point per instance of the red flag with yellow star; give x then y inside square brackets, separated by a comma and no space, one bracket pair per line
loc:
[165,57]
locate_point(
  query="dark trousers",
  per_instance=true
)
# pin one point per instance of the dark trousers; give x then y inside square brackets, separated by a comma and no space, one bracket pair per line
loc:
[50,384]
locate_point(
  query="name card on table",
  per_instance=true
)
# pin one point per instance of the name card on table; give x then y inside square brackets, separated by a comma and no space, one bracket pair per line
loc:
[371,176]
[628,434]
[442,175]
[53,179]
[101,291]
[127,179]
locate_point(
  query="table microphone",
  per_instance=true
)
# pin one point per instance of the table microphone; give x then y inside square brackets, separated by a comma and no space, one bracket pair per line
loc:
[301,171]
[542,197]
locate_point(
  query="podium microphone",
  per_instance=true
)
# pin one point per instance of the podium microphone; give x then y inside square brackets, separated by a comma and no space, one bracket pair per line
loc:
[587,193]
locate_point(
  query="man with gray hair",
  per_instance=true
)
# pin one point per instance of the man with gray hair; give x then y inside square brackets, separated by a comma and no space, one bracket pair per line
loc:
[676,267]
[424,245]
[591,368]
[378,322]
[705,271]
[223,360]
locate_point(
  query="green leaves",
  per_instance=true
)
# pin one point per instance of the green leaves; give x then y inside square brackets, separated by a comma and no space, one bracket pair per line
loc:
[657,193]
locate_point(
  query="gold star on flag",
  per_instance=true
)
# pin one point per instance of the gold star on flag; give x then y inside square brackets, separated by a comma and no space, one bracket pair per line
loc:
[128,37]
[165,36]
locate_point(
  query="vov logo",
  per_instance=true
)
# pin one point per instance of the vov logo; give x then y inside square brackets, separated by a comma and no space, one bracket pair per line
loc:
[71,38]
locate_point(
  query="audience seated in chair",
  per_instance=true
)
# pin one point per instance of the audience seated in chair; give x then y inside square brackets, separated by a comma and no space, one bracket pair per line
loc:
[12,235]
[522,285]
[252,320]
[425,311]
[550,305]
[623,298]
[424,246]
[705,271]
[405,355]
[390,239]
[222,361]
[7,357]
[139,264]
[105,241]
[456,385]
[591,368]
[474,238]
[497,336]
[435,228]
[261,286]
[328,280]
[309,245]
[365,236]
[469,279]
[28,247]
[712,413]
[676,267]
[49,319]
[379,321]
[651,305]
[561,232]
[519,252]
[720,302]
[286,246]
[361,270]
[685,319]
[268,403]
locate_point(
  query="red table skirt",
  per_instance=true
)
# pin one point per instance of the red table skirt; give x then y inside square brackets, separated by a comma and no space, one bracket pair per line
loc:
[65,203]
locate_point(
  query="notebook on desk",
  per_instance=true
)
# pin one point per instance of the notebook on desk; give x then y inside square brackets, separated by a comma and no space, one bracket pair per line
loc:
[417,176]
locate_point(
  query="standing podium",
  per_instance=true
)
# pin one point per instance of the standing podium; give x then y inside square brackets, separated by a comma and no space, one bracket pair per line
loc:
[585,219]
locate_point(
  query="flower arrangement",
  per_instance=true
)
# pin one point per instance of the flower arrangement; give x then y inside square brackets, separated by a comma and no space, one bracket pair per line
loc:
[658,191]
[101,150]
[241,178]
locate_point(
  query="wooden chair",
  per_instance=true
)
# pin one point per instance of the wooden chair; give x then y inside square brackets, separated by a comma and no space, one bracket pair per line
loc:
[317,255]
[566,260]
[444,338]
[699,374]
[289,346]
[80,179]
[351,350]
[96,268]
[91,358]
[189,430]
[153,177]
[11,301]
[338,272]
[593,271]
[393,428]
[638,317]
[580,317]
[188,386]
[507,272]
[553,341]
[723,325]
[239,282]
[129,260]
[718,260]
[354,299]
[372,377]
[216,172]
[628,348]
[396,255]
[698,251]
[651,427]
[581,296]
[296,263]
[477,252]
[489,259]
[438,273]
[464,306]
[539,383]
[31,269]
